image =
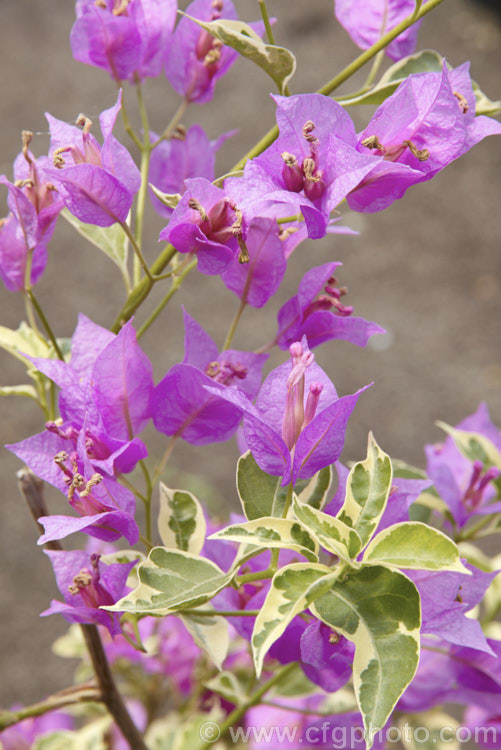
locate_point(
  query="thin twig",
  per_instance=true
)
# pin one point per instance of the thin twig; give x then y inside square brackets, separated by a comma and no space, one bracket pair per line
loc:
[32,489]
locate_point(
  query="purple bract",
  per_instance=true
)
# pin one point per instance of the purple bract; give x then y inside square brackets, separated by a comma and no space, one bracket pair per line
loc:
[183,407]
[97,183]
[428,122]
[317,312]
[87,584]
[298,423]
[127,38]
[366,21]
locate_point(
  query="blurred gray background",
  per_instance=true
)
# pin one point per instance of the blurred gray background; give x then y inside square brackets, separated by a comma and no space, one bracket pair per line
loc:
[427,269]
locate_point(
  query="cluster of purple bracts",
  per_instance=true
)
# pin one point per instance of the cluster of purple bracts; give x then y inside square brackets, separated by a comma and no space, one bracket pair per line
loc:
[243,229]
[317,162]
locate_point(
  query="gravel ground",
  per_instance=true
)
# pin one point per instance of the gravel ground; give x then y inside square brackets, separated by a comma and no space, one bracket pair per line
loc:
[427,269]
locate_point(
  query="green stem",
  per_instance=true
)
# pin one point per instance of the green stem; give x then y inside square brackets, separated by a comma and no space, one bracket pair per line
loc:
[346,73]
[303,711]
[289,219]
[269,32]
[266,21]
[165,458]
[27,290]
[51,405]
[147,505]
[262,575]
[374,70]
[364,58]
[29,313]
[138,252]
[252,700]
[234,323]
[45,323]
[133,489]
[176,283]
[472,531]
[68,697]
[220,613]
[173,123]
[146,543]
[127,125]
[141,290]
[288,500]
[145,168]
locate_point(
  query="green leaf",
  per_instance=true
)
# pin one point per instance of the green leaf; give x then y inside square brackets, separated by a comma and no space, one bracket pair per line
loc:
[181,520]
[23,341]
[367,489]
[19,390]
[435,730]
[297,685]
[484,105]
[279,63]
[315,491]
[378,609]
[210,634]
[112,241]
[171,580]
[177,732]
[414,546]
[90,737]
[329,532]
[272,533]
[430,500]
[292,590]
[426,61]
[234,688]
[262,495]
[473,445]
[403,470]
[71,644]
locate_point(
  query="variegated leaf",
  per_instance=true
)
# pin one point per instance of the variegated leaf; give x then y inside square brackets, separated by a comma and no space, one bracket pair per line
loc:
[378,609]
[171,580]
[272,533]
[292,590]
[331,533]
[181,520]
[278,62]
[473,445]
[414,546]
[367,489]
[210,634]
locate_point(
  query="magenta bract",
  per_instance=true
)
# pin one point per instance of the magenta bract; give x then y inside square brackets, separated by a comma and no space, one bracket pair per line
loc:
[428,122]
[182,406]
[317,312]
[298,423]
[87,584]
[366,21]
[127,39]
[179,159]
[34,206]
[313,164]
[97,183]
[466,487]
[206,222]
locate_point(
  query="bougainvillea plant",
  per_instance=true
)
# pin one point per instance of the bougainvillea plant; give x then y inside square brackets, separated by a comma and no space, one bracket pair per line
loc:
[342,606]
